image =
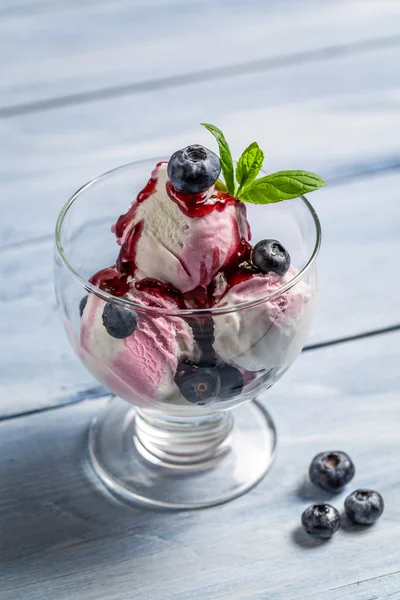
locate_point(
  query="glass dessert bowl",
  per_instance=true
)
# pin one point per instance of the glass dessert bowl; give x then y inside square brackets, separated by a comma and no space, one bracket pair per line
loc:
[181,329]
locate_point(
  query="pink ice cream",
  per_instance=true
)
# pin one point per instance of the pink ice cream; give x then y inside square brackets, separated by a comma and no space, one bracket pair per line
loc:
[143,365]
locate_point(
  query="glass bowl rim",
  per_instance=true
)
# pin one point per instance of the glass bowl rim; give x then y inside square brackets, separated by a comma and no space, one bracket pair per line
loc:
[129,304]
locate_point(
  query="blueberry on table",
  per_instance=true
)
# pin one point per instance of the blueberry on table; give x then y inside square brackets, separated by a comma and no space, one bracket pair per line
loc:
[270,256]
[364,507]
[82,304]
[201,387]
[321,521]
[193,169]
[119,322]
[232,382]
[331,471]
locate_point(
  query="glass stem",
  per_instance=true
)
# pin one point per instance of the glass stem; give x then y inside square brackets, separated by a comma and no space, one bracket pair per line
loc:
[182,443]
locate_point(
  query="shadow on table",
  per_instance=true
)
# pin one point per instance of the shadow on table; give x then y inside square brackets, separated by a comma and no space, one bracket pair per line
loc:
[50,499]
[305,541]
[308,491]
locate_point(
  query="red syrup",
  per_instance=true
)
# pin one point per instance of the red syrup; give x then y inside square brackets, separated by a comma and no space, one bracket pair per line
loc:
[238,270]
[160,289]
[126,261]
[114,279]
[201,204]
[128,217]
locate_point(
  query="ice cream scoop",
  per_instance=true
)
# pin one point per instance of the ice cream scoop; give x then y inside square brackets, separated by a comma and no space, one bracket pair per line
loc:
[267,336]
[141,366]
[181,239]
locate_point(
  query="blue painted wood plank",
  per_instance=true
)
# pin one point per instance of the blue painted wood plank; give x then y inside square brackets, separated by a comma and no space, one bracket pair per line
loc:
[61,537]
[316,116]
[382,588]
[82,46]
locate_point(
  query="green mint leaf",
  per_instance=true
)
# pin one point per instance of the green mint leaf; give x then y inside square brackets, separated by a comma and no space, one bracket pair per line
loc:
[220,186]
[283,185]
[225,157]
[249,165]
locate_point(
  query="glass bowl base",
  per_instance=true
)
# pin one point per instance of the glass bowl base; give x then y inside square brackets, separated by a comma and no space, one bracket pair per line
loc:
[181,465]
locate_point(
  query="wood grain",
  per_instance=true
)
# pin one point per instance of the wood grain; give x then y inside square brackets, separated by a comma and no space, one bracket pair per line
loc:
[67,539]
[387,586]
[79,47]
[334,119]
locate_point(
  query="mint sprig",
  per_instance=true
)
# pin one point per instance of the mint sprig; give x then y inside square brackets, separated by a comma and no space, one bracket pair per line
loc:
[220,186]
[276,187]
[225,157]
[283,185]
[249,166]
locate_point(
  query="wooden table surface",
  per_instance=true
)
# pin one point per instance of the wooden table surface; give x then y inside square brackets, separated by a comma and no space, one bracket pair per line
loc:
[89,84]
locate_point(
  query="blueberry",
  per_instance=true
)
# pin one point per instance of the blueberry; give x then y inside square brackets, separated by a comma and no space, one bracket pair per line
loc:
[364,507]
[119,322]
[82,304]
[200,387]
[270,255]
[186,368]
[232,382]
[331,470]
[321,521]
[193,169]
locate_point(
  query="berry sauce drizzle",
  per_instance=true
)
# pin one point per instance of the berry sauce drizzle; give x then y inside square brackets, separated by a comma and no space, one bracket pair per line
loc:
[198,205]
[112,281]
[117,279]
[127,255]
[160,289]
[239,269]
[127,218]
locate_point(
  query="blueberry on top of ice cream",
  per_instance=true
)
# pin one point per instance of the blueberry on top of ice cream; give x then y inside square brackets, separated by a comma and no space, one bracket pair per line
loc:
[119,322]
[270,255]
[193,169]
